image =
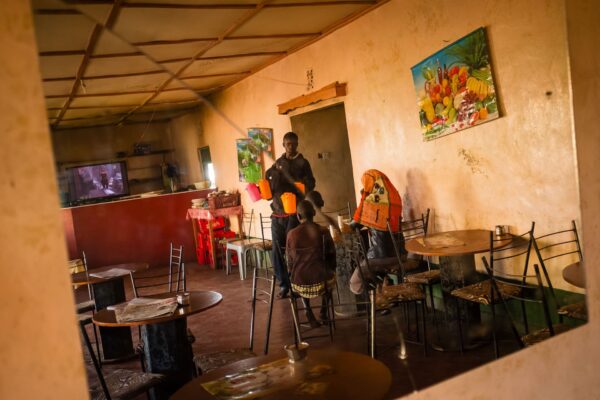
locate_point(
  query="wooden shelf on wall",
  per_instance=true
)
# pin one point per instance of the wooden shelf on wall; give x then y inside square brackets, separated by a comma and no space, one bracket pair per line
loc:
[331,91]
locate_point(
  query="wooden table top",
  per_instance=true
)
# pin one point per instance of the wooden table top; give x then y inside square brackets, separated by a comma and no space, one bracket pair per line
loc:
[348,376]
[575,274]
[199,301]
[81,278]
[454,243]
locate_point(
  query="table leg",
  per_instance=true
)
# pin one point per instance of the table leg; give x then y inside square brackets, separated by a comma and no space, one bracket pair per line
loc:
[167,351]
[456,272]
[116,342]
[213,246]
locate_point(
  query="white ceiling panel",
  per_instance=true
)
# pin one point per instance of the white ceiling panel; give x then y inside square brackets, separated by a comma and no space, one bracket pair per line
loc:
[150,24]
[49,4]
[55,102]
[124,84]
[212,82]
[175,95]
[58,88]
[68,32]
[116,100]
[245,46]
[59,66]
[108,43]
[225,65]
[119,65]
[96,12]
[174,51]
[296,19]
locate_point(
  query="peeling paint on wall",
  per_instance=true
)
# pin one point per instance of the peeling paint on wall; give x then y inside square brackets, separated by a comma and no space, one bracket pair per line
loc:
[472,161]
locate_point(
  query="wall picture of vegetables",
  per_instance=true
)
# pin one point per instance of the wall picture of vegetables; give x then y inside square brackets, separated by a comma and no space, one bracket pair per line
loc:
[455,88]
[249,157]
[263,139]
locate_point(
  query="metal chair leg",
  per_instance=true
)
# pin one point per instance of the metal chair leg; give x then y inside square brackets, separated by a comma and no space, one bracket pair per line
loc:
[423,308]
[268,333]
[494,339]
[460,335]
[373,349]
[253,315]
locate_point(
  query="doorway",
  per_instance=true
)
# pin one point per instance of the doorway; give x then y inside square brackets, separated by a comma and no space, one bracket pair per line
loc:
[324,143]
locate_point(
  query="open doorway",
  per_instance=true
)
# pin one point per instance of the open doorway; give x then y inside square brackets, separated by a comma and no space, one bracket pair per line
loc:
[324,142]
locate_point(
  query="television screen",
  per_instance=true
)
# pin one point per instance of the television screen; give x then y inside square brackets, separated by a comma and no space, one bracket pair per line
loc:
[89,182]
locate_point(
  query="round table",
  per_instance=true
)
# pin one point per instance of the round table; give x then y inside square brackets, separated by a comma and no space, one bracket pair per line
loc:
[116,343]
[456,250]
[347,376]
[575,274]
[165,339]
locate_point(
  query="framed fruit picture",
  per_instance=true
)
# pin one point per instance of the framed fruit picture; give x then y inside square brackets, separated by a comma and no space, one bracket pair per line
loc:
[455,87]
[263,139]
[249,158]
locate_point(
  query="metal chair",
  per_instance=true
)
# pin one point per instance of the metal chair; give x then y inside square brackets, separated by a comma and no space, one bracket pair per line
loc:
[563,245]
[119,384]
[516,287]
[266,245]
[482,292]
[76,266]
[323,290]
[80,265]
[409,230]
[173,281]
[243,246]
[263,290]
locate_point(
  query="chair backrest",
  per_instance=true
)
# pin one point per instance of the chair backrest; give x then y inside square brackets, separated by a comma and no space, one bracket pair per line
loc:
[415,227]
[343,211]
[517,287]
[265,228]
[561,245]
[520,246]
[80,265]
[247,221]
[172,281]
[358,254]
[88,345]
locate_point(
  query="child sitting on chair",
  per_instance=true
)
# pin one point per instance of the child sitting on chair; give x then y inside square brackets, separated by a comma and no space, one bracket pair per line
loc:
[311,261]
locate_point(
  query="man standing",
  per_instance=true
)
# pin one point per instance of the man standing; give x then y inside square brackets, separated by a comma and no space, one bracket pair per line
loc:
[289,168]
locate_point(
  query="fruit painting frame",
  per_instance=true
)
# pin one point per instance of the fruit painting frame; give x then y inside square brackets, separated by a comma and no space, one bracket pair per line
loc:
[455,87]
[263,139]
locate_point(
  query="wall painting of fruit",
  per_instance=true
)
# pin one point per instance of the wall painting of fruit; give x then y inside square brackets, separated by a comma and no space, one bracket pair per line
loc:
[249,157]
[263,139]
[455,88]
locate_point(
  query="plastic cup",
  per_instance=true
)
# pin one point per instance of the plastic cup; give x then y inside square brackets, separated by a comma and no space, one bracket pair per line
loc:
[265,189]
[300,187]
[289,202]
[253,192]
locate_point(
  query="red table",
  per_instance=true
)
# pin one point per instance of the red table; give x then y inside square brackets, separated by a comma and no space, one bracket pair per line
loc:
[208,215]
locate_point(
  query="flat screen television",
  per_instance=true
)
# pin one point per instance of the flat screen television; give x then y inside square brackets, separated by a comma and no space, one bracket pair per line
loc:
[89,183]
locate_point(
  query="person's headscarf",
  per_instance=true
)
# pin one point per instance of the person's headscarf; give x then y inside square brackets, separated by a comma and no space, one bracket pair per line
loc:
[380,200]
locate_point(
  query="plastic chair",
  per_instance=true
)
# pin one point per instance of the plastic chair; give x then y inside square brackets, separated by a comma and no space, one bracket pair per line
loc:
[482,292]
[563,245]
[242,246]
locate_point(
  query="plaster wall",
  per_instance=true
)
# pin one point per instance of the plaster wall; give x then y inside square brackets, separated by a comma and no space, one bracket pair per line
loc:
[185,132]
[104,142]
[40,352]
[510,171]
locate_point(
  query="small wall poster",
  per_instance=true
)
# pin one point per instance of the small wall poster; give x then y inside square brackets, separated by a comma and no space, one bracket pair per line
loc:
[249,159]
[455,87]
[263,139]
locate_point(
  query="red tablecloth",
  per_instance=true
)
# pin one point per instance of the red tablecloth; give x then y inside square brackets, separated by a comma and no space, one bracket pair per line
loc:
[205,213]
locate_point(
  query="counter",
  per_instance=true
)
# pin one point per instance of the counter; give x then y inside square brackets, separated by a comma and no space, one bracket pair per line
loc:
[138,229]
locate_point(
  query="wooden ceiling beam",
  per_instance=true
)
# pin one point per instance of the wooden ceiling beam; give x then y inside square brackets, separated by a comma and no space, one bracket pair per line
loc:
[106,94]
[215,6]
[264,53]
[91,46]
[193,40]
[125,75]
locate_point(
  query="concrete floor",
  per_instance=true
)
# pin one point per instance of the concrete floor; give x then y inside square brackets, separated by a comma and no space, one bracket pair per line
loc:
[226,326]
